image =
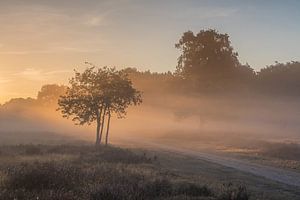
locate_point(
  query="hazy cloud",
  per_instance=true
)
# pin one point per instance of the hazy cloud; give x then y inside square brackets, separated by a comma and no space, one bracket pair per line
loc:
[59,49]
[95,21]
[33,74]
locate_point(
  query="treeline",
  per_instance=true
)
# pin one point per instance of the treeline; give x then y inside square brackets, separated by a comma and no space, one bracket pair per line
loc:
[280,78]
[276,79]
[207,64]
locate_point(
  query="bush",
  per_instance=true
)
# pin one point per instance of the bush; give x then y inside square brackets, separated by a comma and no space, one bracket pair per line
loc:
[69,149]
[32,150]
[43,176]
[43,195]
[113,155]
[133,189]
[191,189]
[289,151]
[157,188]
[232,192]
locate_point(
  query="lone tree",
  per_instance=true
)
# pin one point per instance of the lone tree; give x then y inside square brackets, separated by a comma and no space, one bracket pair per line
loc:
[95,95]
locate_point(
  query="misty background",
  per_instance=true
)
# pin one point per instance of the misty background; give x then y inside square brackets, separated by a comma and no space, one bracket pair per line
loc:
[264,109]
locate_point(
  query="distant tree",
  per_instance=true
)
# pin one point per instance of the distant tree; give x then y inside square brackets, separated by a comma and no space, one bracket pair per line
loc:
[18,104]
[49,94]
[209,58]
[96,94]
[280,78]
[151,82]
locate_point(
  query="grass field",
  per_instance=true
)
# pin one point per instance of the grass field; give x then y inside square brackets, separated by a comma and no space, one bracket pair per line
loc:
[111,173]
[72,169]
[281,155]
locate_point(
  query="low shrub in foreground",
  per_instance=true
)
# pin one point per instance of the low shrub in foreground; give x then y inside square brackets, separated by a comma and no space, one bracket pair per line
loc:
[233,192]
[54,180]
[149,189]
[43,176]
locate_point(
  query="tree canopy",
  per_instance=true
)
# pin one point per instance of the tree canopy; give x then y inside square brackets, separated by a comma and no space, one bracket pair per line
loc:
[208,58]
[282,78]
[95,94]
[50,93]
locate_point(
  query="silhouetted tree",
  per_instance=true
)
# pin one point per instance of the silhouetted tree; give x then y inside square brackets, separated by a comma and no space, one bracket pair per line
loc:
[151,82]
[49,94]
[97,93]
[119,95]
[280,78]
[209,59]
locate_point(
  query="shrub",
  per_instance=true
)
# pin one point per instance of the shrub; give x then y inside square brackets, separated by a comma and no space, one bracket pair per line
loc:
[232,192]
[288,151]
[157,188]
[32,150]
[113,155]
[43,195]
[40,176]
[133,189]
[191,189]
[70,149]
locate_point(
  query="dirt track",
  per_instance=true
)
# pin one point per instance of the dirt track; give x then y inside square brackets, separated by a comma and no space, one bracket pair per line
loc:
[272,173]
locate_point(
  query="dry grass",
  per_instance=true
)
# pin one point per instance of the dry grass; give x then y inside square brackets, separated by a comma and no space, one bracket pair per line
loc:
[85,172]
[283,155]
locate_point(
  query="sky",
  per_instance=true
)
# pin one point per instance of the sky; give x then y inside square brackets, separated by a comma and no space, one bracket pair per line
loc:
[42,41]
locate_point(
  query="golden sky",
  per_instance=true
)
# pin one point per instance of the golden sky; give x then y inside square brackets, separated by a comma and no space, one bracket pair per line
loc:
[42,41]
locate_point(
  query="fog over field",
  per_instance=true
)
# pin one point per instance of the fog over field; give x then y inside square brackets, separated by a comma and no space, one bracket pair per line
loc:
[210,118]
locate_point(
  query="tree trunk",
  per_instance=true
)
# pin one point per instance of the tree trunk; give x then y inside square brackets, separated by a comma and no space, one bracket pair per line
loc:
[102,125]
[107,128]
[98,127]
